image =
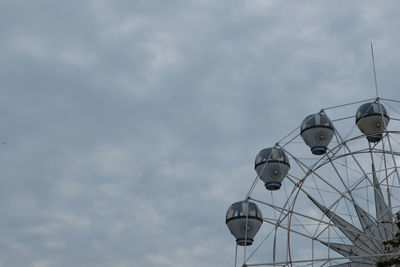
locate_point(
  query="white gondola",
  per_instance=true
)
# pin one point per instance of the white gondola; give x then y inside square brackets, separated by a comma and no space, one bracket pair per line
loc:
[244,219]
[317,131]
[372,120]
[272,166]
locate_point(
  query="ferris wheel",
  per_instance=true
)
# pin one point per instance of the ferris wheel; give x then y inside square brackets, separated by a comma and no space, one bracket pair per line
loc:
[332,191]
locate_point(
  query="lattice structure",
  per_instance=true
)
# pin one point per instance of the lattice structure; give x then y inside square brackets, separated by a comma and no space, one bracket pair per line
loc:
[337,206]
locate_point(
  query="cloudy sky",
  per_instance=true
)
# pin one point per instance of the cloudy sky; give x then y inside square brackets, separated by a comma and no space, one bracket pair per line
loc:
[129,127]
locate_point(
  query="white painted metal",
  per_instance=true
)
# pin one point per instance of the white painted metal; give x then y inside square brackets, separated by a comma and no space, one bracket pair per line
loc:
[335,209]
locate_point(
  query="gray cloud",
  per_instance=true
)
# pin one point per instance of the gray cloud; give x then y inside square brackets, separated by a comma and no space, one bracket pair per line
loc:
[132,126]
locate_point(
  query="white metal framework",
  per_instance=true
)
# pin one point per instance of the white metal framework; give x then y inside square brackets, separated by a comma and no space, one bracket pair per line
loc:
[334,209]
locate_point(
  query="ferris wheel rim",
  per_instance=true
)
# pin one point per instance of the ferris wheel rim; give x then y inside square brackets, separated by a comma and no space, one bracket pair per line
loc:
[332,155]
[318,164]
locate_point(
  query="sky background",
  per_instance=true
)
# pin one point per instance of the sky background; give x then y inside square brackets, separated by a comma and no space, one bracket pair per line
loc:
[129,127]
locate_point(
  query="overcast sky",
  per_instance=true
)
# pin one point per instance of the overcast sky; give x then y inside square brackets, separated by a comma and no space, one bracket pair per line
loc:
[129,127]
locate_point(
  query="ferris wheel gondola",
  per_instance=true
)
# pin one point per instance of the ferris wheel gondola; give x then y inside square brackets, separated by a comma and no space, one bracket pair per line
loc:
[372,120]
[317,131]
[272,166]
[244,219]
